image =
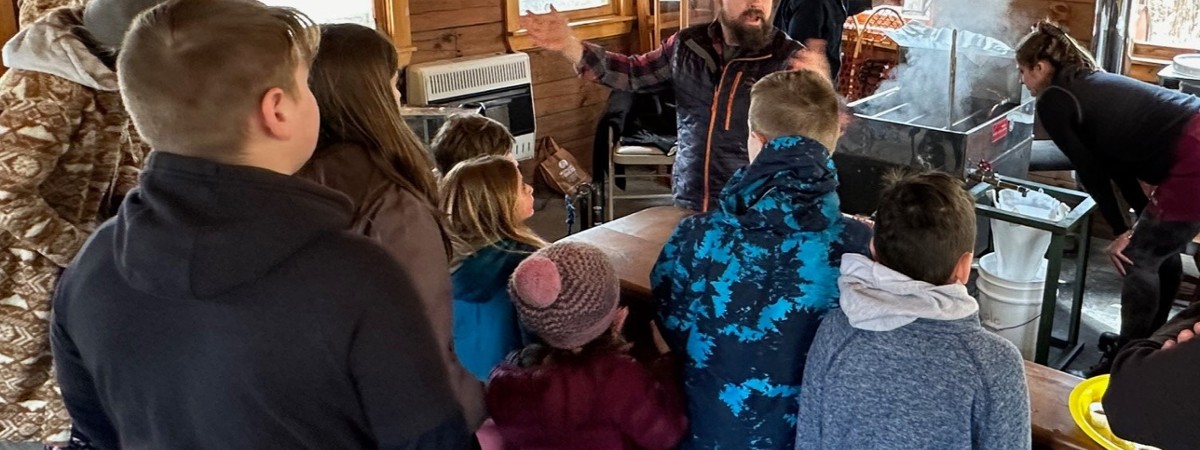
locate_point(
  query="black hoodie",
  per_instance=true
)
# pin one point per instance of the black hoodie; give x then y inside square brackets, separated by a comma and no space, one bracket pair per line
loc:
[225,307]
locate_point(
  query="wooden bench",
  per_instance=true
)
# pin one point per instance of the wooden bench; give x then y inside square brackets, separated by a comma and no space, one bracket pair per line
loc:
[634,242]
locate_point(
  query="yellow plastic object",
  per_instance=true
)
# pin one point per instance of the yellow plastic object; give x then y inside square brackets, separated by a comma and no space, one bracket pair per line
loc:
[1090,391]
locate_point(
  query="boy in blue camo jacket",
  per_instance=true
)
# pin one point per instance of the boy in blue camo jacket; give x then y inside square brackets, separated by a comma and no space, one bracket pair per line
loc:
[743,289]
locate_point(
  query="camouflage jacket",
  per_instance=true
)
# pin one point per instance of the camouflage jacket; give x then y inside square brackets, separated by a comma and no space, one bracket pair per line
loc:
[743,289]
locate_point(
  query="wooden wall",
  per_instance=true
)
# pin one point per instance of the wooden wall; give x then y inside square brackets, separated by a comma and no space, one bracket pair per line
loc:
[1078,15]
[567,107]
[8,23]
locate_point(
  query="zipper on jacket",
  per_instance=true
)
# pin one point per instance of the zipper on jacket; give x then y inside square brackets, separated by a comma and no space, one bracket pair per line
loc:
[712,122]
[729,104]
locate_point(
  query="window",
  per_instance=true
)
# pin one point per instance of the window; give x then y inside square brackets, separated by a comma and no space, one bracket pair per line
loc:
[1171,23]
[541,6]
[573,9]
[916,7]
[388,16]
[591,19]
[361,12]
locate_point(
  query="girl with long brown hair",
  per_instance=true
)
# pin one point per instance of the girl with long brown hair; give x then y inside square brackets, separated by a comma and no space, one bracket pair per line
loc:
[367,152]
[487,202]
[1119,130]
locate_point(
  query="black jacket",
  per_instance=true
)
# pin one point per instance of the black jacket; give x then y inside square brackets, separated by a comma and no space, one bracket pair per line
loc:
[819,19]
[226,307]
[1115,129]
[1152,398]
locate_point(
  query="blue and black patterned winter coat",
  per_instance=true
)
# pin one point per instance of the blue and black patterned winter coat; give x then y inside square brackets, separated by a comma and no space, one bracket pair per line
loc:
[743,289]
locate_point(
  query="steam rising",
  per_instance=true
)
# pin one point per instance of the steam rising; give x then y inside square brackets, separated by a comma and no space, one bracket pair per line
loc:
[986,71]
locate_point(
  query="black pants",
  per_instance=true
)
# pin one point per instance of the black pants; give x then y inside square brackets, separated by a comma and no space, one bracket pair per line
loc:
[1151,283]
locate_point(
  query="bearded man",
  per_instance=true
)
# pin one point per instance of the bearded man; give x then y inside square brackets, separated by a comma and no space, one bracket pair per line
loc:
[711,68]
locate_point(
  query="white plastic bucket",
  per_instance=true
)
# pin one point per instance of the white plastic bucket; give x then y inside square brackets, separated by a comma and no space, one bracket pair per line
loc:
[1010,308]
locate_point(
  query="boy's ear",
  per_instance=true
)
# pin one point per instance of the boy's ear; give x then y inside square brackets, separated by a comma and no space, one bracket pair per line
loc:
[962,270]
[272,118]
[871,245]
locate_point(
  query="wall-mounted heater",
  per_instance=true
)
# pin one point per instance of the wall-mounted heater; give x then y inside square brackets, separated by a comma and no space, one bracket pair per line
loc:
[500,85]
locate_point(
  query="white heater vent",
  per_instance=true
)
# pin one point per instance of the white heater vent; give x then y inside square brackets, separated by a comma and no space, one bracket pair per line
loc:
[453,83]
[431,82]
[501,83]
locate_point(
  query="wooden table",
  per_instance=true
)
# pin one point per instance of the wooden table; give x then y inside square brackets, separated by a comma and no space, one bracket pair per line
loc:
[633,243]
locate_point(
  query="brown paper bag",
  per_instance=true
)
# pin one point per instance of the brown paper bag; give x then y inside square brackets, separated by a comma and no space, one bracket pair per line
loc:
[559,169]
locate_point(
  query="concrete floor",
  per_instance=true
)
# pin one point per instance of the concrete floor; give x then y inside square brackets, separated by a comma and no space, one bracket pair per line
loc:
[1101,310]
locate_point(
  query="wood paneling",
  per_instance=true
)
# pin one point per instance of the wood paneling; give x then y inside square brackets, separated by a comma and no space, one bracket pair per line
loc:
[444,29]
[567,107]
[455,42]
[8,23]
[1079,16]
[1149,59]
[566,95]
[1146,69]
[1161,52]
[437,20]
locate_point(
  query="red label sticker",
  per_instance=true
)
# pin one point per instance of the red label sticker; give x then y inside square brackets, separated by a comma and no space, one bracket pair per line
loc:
[1000,130]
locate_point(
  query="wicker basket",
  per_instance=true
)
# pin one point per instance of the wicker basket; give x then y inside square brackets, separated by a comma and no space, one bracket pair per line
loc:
[871,55]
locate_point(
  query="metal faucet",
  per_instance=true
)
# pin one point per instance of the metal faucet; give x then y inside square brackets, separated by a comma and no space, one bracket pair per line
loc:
[984,174]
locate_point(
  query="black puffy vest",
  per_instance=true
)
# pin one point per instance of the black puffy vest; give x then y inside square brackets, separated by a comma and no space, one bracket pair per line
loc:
[713,101]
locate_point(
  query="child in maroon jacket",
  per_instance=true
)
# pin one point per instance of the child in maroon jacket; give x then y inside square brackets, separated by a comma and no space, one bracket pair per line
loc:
[580,390]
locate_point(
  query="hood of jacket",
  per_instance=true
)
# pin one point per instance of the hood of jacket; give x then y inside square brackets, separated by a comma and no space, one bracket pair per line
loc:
[480,276]
[221,227]
[50,46]
[877,298]
[792,182]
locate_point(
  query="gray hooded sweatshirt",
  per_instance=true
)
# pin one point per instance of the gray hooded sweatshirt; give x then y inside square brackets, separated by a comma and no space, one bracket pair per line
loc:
[905,364]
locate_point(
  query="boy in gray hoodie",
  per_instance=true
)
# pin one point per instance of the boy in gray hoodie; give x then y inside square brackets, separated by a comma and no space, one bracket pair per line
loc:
[905,364]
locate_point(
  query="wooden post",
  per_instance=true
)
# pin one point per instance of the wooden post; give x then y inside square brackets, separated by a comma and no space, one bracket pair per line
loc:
[658,12]
[684,14]
[392,17]
[645,26]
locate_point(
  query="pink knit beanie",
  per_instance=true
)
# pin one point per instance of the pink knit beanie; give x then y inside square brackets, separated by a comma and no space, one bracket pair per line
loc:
[566,293]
